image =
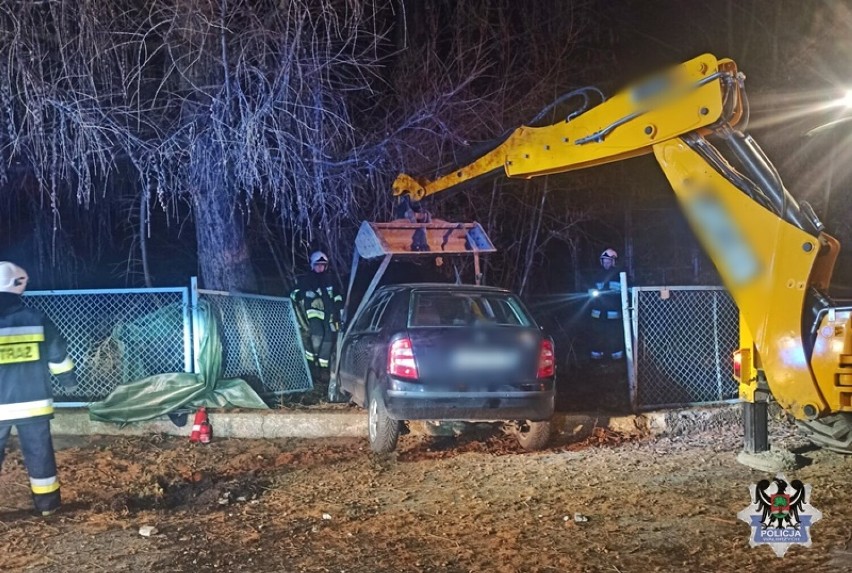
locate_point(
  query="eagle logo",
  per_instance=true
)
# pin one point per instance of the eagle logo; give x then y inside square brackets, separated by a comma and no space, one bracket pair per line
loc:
[780,514]
[779,509]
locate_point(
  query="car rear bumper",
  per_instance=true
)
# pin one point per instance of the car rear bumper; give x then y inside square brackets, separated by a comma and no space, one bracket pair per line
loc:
[408,401]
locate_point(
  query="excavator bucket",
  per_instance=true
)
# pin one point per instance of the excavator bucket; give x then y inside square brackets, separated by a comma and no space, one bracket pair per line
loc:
[434,238]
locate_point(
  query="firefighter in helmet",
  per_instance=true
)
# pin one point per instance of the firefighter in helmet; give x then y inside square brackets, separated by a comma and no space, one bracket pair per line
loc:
[318,307]
[31,348]
[607,339]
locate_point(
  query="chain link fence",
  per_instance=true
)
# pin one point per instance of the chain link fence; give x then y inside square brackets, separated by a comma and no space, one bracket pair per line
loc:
[684,342]
[261,341]
[122,335]
[117,336]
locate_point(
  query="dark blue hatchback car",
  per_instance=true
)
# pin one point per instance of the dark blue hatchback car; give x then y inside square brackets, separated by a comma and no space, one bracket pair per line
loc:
[448,352]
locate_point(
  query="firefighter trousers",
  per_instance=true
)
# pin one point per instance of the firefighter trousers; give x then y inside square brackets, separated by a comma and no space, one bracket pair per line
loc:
[321,340]
[606,338]
[40,460]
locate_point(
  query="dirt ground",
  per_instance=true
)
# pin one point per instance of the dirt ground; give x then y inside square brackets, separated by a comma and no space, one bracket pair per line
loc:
[473,503]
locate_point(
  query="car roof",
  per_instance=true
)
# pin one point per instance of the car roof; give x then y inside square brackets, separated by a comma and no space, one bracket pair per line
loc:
[446,287]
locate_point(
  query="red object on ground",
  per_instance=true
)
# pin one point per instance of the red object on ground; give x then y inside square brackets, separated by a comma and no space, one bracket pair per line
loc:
[200,417]
[206,431]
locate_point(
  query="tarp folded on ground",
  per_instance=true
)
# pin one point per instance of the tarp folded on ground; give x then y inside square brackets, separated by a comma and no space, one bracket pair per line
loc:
[162,394]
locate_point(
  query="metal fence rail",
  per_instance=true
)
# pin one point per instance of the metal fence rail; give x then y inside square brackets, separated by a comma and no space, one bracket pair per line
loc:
[116,336]
[261,341]
[685,338]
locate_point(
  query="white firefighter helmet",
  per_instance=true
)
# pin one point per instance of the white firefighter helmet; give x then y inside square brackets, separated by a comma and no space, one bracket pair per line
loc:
[13,278]
[609,254]
[318,257]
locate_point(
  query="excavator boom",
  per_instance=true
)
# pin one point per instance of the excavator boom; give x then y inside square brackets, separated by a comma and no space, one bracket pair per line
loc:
[688,98]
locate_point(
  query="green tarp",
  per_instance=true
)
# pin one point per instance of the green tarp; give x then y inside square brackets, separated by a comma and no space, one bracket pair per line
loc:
[161,394]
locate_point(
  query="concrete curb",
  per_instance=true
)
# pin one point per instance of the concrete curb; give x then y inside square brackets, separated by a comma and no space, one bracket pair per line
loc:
[353,423]
[252,425]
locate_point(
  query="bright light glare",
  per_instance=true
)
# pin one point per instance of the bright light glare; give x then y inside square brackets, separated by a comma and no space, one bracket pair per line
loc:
[846,100]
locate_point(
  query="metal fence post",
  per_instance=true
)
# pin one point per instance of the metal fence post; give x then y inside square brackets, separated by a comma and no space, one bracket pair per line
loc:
[187,331]
[633,375]
[626,312]
[196,324]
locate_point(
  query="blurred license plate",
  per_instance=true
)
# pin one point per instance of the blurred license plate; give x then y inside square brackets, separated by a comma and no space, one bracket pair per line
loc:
[484,360]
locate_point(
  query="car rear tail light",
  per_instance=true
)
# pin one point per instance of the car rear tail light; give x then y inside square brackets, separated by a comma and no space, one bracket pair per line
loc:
[401,359]
[546,363]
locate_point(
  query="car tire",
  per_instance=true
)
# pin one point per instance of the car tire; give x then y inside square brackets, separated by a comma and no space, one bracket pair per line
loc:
[533,436]
[383,430]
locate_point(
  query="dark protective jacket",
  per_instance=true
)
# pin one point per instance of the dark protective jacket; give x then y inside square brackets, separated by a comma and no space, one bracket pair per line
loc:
[607,304]
[316,296]
[30,349]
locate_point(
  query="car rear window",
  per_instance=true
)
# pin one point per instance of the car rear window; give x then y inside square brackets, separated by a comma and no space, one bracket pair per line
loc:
[466,309]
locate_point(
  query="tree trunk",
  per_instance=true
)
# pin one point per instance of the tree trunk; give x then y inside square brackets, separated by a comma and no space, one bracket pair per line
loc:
[575,266]
[223,253]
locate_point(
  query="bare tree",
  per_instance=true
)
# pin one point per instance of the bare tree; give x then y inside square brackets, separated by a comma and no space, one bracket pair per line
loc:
[210,102]
[286,119]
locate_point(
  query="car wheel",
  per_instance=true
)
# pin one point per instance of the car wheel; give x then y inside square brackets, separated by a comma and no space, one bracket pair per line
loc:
[383,431]
[533,436]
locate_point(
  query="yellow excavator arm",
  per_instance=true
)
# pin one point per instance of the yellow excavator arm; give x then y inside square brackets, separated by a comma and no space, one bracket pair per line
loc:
[771,251]
[688,98]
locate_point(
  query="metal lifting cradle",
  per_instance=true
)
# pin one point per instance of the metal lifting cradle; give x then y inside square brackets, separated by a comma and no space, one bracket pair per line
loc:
[403,238]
